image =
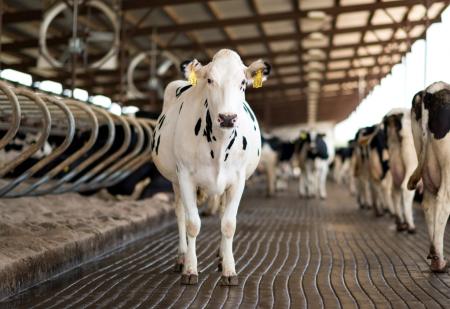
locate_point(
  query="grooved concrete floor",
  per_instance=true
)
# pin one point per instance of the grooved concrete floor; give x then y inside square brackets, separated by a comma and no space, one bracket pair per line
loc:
[289,252]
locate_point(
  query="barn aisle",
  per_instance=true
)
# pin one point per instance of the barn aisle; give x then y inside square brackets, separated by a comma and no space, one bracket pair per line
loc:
[289,252]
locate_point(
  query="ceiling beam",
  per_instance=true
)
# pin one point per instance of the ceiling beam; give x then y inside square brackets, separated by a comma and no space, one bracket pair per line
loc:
[278,16]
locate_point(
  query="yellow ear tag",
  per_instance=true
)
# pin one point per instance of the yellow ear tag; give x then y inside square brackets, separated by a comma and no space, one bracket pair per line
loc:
[257,80]
[192,78]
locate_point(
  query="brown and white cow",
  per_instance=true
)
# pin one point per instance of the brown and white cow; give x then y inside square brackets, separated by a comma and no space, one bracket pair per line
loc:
[430,126]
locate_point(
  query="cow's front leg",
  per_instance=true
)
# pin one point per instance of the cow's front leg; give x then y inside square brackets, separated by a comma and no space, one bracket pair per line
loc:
[228,228]
[181,221]
[188,193]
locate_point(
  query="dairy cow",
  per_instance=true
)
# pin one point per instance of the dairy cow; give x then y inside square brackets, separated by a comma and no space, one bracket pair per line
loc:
[273,151]
[314,155]
[402,162]
[208,139]
[342,165]
[430,126]
[361,170]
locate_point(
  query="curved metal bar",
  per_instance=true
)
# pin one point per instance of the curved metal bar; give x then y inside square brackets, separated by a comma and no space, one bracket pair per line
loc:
[82,182]
[93,157]
[116,169]
[53,155]
[16,115]
[144,157]
[92,119]
[46,126]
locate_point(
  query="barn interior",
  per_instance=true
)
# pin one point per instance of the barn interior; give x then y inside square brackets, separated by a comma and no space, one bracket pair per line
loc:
[81,90]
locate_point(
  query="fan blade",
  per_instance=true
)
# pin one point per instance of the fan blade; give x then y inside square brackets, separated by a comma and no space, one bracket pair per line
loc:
[100,36]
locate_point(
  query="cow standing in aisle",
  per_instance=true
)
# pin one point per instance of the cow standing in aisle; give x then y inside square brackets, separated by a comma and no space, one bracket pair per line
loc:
[361,171]
[380,178]
[341,165]
[207,138]
[402,162]
[430,126]
[314,156]
[273,151]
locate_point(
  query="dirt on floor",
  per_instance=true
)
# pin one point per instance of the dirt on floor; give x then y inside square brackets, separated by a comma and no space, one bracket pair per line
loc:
[41,234]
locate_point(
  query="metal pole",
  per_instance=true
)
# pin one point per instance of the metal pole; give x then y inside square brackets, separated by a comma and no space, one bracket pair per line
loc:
[74,41]
[427,23]
[1,29]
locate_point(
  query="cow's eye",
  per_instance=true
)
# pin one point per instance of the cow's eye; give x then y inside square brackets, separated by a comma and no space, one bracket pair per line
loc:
[210,81]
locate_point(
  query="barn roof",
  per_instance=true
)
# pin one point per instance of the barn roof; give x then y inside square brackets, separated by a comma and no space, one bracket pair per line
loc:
[326,54]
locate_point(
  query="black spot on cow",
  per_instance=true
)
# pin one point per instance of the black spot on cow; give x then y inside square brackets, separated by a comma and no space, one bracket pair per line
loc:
[161,121]
[157,144]
[258,152]
[214,138]
[438,106]
[212,154]
[250,113]
[232,140]
[378,143]
[318,148]
[283,149]
[244,143]
[206,103]
[198,125]
[208,129]
[417,105]
[180,90]
[226,157]
[181,106]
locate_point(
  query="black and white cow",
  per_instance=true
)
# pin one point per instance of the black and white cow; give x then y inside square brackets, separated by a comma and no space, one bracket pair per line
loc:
[361,171]
[314,156]
[430,127]
[380,179]
[18,145]
[342,165]
[208,138]
[274,151]
[402,162]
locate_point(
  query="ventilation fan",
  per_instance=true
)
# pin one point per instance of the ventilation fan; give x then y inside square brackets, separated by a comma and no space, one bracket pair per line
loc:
[96,49]
[159,63]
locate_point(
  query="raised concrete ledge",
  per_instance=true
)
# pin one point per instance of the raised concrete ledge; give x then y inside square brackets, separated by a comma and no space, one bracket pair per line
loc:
[41,237]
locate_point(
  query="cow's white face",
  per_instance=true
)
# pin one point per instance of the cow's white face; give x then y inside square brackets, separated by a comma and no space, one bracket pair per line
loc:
[224,80]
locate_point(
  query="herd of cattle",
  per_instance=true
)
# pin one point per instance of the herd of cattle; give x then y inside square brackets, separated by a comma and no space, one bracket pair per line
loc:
[207,143]
[407,154]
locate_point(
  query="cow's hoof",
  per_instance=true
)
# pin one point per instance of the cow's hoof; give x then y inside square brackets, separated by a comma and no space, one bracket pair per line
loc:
[402,227]
[229,281]
[378,214]
[412,230]
[438,265]
[178,267]
[189,279]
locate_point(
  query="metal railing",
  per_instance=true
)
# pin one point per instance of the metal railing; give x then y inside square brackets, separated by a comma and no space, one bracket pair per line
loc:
[94,148]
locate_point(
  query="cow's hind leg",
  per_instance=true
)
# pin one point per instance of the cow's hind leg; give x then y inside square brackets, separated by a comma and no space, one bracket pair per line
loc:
[228,228]
[181,221]
[436,215]
[188,193]
[400,218]
[407,200]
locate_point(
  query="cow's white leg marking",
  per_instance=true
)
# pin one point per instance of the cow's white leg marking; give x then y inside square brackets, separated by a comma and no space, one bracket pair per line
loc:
[323,181]
[188,193]
[181,220]
[302,184]
[228,225]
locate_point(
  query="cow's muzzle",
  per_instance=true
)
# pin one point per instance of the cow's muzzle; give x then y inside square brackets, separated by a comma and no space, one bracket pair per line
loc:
[227,120]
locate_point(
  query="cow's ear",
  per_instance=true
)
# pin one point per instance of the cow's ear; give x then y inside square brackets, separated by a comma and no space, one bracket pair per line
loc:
[258,67]
[188,66]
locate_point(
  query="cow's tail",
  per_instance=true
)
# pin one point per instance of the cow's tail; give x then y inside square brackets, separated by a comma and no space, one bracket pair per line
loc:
[417,174]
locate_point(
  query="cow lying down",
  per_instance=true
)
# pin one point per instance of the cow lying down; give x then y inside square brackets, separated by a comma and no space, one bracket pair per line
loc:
[208,138]
[430,127]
